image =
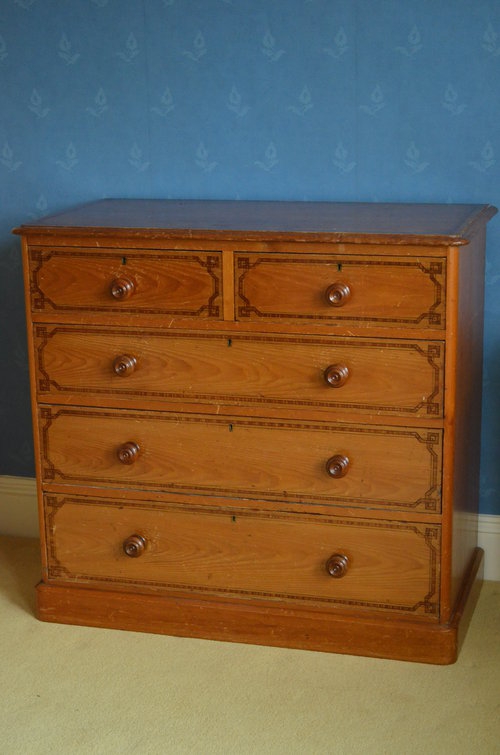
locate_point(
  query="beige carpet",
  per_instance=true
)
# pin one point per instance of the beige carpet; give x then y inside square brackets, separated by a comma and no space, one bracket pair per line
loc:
[71,689]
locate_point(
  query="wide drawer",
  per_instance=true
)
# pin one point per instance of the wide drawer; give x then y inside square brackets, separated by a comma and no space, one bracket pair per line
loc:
[348,562]
[356,290]
[293,461]
[181,284]
[385,377]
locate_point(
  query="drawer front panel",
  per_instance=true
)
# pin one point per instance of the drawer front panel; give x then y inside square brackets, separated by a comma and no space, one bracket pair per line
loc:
[382,565]
[302,462]
[388,291]
[182,284]
[386,377]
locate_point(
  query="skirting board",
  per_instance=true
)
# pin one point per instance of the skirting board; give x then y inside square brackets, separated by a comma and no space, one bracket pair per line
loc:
[19,517]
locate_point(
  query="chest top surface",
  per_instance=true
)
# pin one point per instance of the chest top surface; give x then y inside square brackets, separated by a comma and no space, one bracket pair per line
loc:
[430,224]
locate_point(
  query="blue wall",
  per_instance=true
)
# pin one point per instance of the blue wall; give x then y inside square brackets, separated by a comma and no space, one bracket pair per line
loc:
[302,99]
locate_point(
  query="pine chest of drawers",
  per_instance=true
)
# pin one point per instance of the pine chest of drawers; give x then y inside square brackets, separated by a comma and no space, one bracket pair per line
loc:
[260,422]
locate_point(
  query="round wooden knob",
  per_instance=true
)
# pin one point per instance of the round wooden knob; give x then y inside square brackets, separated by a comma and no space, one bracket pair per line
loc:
[336,375]
[129,452]
[337,565]
[122,288]
[337,294]
[134,546]
[124,365]
[337,466]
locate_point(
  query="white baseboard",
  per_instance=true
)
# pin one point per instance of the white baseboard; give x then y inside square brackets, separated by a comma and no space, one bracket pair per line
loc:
[488,538]
[18,516]
[18,506]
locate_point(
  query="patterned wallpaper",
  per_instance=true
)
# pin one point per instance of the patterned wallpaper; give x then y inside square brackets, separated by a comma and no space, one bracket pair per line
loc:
[372,100]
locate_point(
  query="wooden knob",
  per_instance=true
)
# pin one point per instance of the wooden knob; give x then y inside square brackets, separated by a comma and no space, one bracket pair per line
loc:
[337,294]
[336,375]
[134,546]
[122,288]
[337,466]
[337,565]
[129,452]
[124,365]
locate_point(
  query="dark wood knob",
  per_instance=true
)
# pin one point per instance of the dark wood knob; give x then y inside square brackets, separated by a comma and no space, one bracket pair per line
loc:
[336,375]
[337,466]
[129,452]
[337,565]
[337,294]
[134,546]
[124,365]
[122,288]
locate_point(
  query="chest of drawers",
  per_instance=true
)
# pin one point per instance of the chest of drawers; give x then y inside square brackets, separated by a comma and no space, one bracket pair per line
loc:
[260,422]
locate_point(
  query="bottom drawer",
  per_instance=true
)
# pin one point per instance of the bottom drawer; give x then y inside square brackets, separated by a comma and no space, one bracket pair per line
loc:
[360,563]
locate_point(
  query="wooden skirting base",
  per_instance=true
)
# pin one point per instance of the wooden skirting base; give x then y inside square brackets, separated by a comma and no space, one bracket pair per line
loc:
[266,625]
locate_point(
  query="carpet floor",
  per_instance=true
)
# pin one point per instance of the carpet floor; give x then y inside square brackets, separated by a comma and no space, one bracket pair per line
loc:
[67,689]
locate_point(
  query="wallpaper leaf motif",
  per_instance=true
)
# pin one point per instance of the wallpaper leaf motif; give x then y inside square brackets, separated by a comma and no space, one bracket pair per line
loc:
[486,159]
[37,106]
[100,104]
[199,49]
[490,41]
[341,159]
[136,159]
[377,101]
[66,52]
[269,49]
[166,104]
[270,158]
[413,159]
[451,101]
[235,103]
[340,45]
[8,158]
[131,49]
[203,160]
[413,44]
[70,158]
[304,102]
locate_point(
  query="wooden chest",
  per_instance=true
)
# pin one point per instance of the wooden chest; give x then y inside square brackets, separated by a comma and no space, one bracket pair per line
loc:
[260,422]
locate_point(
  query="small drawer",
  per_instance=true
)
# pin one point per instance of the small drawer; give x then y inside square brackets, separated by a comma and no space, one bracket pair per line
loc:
[391,377]
[328,561]
[293,461]
[180,284]
[351,290]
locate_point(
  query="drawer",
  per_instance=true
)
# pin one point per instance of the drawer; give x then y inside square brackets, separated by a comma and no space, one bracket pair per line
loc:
[302,462]
[386,377]
[181,284]
[229,552]
[344,290]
